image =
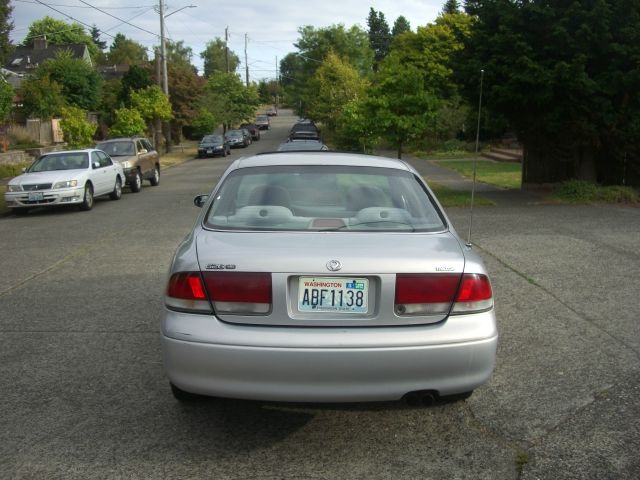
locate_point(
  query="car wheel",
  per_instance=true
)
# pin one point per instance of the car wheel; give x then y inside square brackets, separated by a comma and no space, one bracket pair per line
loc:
[116,194]
[87,202]
[155,179]
[20,211]
[183,396]
[136,183]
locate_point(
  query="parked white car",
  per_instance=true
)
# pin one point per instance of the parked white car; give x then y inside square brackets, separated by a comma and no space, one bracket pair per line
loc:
[73,177]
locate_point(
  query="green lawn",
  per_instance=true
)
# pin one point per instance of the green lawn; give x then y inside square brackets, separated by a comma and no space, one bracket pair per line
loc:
[500,174]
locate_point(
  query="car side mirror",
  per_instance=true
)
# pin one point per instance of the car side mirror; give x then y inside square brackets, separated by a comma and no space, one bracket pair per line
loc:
[96,164]
[200,200]
[142,150]
[24,169]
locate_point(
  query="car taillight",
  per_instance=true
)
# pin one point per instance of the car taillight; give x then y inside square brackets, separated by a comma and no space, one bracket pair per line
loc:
[425,294]
[433,294]
[239,293]
[474,294]
[185,291]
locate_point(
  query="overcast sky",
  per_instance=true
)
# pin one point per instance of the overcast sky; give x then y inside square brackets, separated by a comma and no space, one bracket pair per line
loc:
[271,25]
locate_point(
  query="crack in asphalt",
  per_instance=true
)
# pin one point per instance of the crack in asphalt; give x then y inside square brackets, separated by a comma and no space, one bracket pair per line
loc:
[585,317]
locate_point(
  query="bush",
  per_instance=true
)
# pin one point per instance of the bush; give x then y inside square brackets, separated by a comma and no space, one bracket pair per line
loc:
[580,191]
[128,123]
[78,131]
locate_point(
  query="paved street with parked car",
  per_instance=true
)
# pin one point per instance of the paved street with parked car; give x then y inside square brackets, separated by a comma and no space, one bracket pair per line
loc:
[84,394]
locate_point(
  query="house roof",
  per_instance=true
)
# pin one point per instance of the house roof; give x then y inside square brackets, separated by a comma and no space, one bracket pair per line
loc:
[25,59]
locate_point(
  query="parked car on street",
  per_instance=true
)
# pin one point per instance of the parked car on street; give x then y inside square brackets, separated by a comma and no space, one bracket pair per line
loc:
[212,145]
[73,177]
[254,130]
[272,112]
[302,145]
[263,123]
[138,158]
[326,277]
[238,138]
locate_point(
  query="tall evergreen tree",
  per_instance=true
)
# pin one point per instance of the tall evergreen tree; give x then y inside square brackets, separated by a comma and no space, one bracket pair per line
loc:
[379,36]
[95,36]
[451,6]
[6,25]
[401,25]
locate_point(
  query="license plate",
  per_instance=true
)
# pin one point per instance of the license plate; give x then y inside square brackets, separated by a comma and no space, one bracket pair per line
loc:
[36,196]
[335,295]
[210,151]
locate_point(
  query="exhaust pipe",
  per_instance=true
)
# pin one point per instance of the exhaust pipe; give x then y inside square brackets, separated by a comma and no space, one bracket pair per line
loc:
[421,397]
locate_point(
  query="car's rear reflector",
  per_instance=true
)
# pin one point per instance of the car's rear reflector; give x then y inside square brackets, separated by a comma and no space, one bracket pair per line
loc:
[425,294]
[185,292]
[239,293]
[474,294]
[433,294]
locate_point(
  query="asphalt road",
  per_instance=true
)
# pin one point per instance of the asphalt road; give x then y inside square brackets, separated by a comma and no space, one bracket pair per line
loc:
[83,394]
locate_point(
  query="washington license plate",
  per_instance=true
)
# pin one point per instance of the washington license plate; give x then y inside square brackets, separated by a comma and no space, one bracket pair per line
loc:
[335,295]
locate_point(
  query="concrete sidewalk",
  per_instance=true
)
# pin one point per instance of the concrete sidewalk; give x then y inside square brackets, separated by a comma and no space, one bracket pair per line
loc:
[446,177]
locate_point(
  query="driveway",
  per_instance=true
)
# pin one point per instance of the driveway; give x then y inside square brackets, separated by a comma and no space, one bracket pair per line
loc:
[84,396]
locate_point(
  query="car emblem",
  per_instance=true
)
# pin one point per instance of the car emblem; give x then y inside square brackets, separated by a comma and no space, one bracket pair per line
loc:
[334,265]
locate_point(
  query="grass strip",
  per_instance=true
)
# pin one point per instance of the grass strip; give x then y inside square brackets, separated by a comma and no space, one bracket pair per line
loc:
[455,198]
[501,174]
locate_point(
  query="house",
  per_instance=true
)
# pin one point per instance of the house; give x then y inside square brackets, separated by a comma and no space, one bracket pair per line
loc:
[24,60]
[113,72]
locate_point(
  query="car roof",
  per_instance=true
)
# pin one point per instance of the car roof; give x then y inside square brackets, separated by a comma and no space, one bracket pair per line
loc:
[320,158]
[83,150]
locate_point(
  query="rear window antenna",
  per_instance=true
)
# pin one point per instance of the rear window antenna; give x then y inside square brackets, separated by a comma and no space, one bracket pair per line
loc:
[475,161]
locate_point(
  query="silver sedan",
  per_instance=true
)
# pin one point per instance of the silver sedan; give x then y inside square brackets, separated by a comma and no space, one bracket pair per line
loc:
[324,277]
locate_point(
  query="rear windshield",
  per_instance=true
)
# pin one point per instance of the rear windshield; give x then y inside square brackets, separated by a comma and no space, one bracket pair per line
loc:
[212,139]
[117,149]
[329,198]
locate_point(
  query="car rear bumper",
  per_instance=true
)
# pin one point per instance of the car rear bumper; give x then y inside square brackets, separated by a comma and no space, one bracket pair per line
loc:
[346,372]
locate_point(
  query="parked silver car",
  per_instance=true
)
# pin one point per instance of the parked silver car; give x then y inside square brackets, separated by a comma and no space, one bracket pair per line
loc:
[73,177]
[325,277]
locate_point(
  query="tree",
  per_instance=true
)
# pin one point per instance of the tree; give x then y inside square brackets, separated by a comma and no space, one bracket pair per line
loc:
[401,25]
[95,36]
[178,54]
[6,100]
[399,108]
[185,89]
[78,131]
[451,6]
[334,85]
[379,36]
[80,82]
[269,90]
[560,73]
[229,100]
[41,97]
[151,103]
[126,51]
[128,123]
[6,25]
[59,32]
[214,57]
[351,45]
[136,78]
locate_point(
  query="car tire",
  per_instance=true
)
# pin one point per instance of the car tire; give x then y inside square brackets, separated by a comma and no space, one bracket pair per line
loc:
[20,211]
[183,396]
[136,183]
[116,194]
[155,178]
[87,201]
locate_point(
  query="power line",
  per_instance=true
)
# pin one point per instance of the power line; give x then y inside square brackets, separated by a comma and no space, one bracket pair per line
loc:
[119,19]
[80,6]
[70,17]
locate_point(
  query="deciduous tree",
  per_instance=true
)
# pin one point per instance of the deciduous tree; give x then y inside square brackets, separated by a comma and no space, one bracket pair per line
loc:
[128,123]
[41,97]
[229,100]
[214,57]
[78,131]
[126,51]
[6,25]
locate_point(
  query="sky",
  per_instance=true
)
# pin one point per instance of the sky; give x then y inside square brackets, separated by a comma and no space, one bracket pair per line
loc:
[271,25]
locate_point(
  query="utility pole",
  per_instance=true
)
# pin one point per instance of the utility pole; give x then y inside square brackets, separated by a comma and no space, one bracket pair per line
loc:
[165,75]
[277,82]
[157,126]
[226,47]
[246,62]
